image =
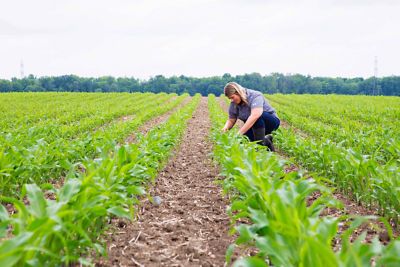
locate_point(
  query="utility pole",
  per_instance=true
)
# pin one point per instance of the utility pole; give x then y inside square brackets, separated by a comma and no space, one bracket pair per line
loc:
[376,89]
[22,69]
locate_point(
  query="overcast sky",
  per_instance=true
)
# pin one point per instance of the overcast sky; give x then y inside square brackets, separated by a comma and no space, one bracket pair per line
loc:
[199,38]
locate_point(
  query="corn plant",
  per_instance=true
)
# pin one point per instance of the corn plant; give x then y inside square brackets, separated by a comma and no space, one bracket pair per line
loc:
[341,139]
[284,229]
[67,229]
[39,160]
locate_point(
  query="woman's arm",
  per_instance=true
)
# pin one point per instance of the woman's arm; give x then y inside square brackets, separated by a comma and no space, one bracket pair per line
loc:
[229,124]
[254,115]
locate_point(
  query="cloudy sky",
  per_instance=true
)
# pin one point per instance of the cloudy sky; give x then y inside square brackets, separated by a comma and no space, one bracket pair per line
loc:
[199,38]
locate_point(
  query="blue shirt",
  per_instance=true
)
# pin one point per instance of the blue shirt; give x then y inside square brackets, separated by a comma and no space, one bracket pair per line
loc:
[255,100]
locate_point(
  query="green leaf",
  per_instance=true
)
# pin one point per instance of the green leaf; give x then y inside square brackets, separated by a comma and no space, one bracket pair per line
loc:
[10,250]
[120,212]
[250,262]
[3,228]
[245,234]
[390,256]
[136,190]
[316,253]
[3,213]
[21,208]
[238,205]
[229,253]
[36,199]
[69,189]
[259,218]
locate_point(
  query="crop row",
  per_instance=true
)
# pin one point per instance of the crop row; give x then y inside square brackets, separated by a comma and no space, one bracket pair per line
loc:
[284,229]
[319,120]
[366,110]
[44,160]
[28,109]
[364,167]
[76,117]
[357,175]
[68,228]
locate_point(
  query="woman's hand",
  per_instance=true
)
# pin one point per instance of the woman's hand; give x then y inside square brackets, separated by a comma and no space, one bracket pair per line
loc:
[228,125]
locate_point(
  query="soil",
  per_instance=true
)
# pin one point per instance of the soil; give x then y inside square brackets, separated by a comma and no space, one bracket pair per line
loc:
[124,118]
[186,223]
[156,121]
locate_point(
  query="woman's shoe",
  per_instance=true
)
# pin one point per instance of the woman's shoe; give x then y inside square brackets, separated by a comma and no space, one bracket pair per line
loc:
[268,142]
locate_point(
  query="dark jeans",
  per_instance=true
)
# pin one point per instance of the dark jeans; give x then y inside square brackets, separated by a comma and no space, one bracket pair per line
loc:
[268,121]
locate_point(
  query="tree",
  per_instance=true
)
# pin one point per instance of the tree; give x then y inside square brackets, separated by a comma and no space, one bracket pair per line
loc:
[273,83]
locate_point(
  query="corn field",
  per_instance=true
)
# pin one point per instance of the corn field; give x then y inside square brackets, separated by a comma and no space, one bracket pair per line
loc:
[72,162]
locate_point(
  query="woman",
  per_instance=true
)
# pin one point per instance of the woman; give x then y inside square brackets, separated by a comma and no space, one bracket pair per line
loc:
[252,108]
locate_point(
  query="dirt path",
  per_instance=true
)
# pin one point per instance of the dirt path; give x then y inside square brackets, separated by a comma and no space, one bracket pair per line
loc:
[148,125]
[190,226]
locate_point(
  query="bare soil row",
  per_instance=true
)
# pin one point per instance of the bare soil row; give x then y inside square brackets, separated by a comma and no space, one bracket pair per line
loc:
[186,224]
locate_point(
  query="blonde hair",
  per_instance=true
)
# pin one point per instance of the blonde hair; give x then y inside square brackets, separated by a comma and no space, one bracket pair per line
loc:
[232,88]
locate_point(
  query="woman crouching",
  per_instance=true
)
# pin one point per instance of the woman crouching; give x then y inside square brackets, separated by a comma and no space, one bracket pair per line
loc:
[250,106]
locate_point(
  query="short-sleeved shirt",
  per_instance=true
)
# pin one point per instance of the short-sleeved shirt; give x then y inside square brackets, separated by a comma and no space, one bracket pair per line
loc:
[255,100]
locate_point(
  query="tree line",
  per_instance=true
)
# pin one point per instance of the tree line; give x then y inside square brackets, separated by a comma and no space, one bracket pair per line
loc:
[273,83]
